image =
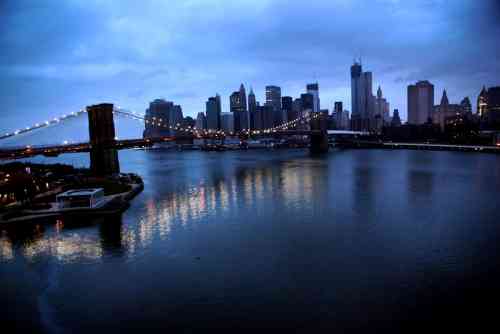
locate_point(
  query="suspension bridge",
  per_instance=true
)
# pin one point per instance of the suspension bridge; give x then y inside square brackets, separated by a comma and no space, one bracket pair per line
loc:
[103,142]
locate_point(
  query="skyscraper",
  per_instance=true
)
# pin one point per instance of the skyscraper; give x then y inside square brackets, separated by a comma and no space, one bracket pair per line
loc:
[259,118]
[158,118]
[273,100]
[238,106]
[268,117]
[201,121]
[227,122]
[307,102]
[362,98]
[482,102]
[176,115]
[287,106]
[420,102]
[297,108]
[381,110]
[338,115]
[490,108]
[244,119]
[213,111]
[356,71]
[252,108]
[273,97]
[235,108]
[313,89]
[338,107]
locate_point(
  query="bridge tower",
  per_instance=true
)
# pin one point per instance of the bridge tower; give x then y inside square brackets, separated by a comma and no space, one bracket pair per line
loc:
[103,154]
[319,134]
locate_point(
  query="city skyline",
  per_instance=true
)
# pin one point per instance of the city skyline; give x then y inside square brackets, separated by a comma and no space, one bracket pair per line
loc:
[138,58]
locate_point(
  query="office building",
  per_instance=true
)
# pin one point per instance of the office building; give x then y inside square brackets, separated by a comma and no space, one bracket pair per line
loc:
[158,118]
[252,109]
[273,97]
[490,108]
[307,102]
[227,122]
[446,112]
[482,102]
[287,107]
[313,89]
[362,99]
[420,102]
[381,111]
[238,106]
[213,112]
[201,121]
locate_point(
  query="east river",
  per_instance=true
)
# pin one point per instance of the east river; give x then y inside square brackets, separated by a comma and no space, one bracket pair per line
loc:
[357,240]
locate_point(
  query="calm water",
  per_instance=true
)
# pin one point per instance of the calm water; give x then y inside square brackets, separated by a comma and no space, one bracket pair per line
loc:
[356,240]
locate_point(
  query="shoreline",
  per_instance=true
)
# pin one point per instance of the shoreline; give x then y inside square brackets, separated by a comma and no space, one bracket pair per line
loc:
[116,204]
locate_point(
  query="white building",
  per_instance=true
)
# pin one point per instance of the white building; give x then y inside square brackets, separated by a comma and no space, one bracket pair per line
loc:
[81,198]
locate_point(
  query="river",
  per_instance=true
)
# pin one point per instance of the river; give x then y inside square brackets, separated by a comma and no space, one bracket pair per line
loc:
[357,240]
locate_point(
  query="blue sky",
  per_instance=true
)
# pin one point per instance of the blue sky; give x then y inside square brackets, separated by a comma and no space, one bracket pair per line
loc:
[57,56]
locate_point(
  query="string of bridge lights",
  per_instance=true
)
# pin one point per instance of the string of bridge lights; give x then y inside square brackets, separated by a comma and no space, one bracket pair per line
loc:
[159,122]
[47,123]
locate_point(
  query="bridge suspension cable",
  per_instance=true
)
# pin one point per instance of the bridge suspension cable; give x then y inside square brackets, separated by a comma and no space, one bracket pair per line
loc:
[47,123]
[161,123]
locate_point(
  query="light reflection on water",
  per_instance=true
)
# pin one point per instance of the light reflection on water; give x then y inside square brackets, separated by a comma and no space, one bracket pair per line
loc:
[234,229]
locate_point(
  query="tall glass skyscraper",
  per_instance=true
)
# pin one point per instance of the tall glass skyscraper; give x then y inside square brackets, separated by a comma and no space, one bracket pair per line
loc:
[313,89]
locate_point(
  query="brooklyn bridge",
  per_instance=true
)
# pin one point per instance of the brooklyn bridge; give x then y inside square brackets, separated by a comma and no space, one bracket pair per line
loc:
[103,142]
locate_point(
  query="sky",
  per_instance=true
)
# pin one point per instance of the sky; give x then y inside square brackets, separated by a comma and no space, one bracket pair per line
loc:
[59,56]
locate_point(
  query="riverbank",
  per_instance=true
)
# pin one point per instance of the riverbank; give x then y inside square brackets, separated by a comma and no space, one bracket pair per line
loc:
[112,204]
[418,146]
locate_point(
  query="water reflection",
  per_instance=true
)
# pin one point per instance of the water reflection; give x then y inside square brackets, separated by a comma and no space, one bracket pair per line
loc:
[65,240]
[6,248]
[220,193]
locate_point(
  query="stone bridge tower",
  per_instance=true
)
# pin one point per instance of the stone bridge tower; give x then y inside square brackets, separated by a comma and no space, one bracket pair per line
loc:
[319,134]
[103,153]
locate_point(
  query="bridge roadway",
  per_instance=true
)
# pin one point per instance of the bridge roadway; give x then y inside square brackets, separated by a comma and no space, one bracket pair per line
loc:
[30,151]
[55,150]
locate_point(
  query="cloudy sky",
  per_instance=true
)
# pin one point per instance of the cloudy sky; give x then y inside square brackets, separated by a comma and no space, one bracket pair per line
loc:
[57,56]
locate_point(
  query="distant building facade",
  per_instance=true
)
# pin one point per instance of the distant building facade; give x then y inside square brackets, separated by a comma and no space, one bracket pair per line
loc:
[213,112]
[273,100]
[160,117]
[201,121]
[396,120]
[420,102]
[252,109]
[490,108]
[446,112]
[238,106]
[313,89]
[287,107]
[362,99]
[227,122]
[340,116]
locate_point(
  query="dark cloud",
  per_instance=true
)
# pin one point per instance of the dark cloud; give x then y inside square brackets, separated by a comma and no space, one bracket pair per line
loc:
[65,54]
